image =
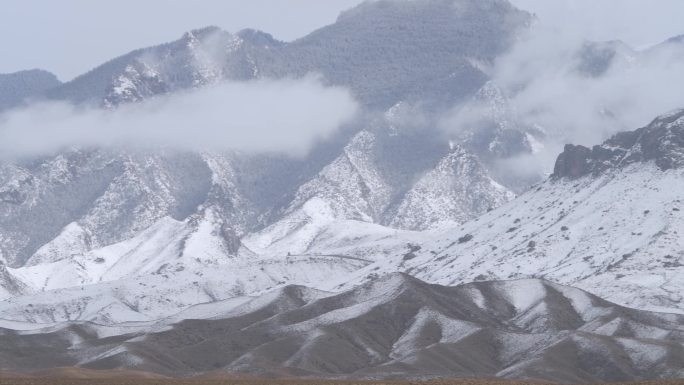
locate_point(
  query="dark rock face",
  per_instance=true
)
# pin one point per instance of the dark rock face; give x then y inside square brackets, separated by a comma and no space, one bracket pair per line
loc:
[573,162]
[596,58]
[662,142]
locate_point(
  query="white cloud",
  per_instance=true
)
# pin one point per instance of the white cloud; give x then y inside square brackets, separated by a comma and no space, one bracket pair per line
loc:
[541,76]
[637,22]
[548,90]
[286,116]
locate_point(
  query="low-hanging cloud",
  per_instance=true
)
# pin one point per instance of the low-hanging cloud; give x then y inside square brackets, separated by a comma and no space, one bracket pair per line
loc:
[549,90]
[639,23]
[548,93]
[284,116]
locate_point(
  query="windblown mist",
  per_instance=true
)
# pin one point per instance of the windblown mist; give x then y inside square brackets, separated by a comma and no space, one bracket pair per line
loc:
[571,90]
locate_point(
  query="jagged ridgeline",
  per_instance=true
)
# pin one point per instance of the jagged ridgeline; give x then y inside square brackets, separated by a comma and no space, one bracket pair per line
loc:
[386,51]
[390,54]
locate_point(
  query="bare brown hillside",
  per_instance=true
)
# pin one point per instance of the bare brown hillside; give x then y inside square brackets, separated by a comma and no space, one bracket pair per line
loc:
[78,376]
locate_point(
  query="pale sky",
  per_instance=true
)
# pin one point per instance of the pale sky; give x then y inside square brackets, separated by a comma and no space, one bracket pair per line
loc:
[69,37]
[639,23]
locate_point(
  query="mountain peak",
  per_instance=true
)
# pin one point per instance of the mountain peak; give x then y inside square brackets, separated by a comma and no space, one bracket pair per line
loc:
[19,86]
[257,37]
[391,5]
[32,72]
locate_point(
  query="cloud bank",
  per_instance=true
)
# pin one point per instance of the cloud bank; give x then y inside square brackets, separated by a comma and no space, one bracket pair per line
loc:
[285,116]
[549,90]
[639,23]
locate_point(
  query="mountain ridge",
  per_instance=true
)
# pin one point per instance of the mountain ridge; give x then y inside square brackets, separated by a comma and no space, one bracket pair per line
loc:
[395,326]
[18,88]
[133,192]
[119,258]
[614,223]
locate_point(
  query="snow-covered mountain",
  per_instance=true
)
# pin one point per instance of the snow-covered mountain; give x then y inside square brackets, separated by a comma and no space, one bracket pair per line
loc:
[90,216]
[396,326]
[198,58]
[67,205]
[146,296]
[607,221]
[122,243]
[450,194]
[385,51]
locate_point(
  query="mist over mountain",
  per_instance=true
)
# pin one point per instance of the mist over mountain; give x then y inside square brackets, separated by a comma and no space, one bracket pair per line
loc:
[385,51]
[265,116]
[391,161]
[232,192]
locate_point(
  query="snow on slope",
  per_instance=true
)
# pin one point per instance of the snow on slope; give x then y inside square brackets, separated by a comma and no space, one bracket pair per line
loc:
[457,190]
[78,201]
[613,230]
[611,226]
[396,326]
[349,195]
[609,222]
[165,293]
[93,217]
[357,188]
[348,188]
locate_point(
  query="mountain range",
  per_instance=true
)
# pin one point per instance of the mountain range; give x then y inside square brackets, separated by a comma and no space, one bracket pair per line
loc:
[393,327]
[155,260]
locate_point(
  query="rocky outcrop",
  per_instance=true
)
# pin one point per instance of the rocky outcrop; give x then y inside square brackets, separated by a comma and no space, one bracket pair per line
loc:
[662,142]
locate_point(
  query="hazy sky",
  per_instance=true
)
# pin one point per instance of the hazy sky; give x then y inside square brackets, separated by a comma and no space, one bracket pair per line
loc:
[638,22]
[69,37]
